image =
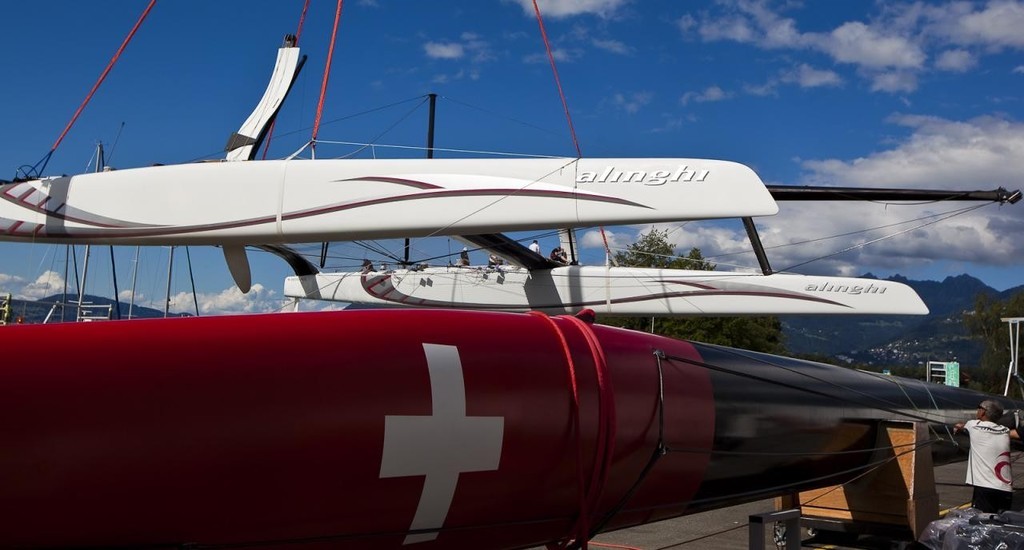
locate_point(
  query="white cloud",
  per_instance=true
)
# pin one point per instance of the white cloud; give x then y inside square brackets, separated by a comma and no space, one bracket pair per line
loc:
[1019,69]
[981,153]
[570,8]
[479,49]
[47,284]
[710,94]
[808,77]
[879,50]
[613,46]
[859,44]
[10,282]
[469,50]
[631,103]
[228,301]
[444,50]
[751,22]
[769,88]
[617,240]
[686,23]
[889,49]
[985,151]
[997,25]
[897,81]
[669,123]
[560,54]
[955,60]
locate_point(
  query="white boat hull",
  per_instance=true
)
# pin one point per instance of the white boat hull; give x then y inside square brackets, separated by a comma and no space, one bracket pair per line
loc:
[294,201]
[612,290]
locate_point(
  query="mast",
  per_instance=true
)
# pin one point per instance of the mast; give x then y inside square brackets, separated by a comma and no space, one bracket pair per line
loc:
[430,125]
[1013,370]
[135,275]
[170,266]
[67,266]
[81,288]
[430,149]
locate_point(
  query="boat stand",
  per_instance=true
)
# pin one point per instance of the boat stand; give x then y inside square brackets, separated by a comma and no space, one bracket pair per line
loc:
[896,500]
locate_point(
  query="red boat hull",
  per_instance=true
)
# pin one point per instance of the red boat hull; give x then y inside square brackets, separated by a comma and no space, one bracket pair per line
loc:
[385,428]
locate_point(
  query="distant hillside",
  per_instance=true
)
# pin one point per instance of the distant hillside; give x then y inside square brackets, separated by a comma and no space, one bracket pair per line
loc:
[35,311]
[899,340]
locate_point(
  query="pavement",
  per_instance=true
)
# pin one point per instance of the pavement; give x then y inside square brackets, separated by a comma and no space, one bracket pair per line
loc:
[727,528]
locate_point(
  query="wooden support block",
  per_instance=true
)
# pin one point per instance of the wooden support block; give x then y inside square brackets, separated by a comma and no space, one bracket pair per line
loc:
[900,491]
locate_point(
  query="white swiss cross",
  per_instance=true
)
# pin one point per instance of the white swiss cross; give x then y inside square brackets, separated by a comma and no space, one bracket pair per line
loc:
[440,446]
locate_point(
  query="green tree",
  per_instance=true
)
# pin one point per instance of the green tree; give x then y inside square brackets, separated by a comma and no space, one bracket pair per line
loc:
[984,323]
[652,249]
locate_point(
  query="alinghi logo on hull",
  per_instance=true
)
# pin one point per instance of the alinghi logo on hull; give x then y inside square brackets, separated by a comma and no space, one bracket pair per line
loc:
[655,177]
[846,289]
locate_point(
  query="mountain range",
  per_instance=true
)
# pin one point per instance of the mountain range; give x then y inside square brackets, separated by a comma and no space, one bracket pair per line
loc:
[899,340]
[94,307]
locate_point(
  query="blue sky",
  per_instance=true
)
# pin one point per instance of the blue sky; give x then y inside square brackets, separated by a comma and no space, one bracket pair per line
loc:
[910,94]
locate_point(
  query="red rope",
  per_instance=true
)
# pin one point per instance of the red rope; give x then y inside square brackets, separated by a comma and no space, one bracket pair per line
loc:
[298,34]
[565,107]
[327,74]
[103,76]
[605,445]
[589,494]
[581,523]
[558,82]
[302,21]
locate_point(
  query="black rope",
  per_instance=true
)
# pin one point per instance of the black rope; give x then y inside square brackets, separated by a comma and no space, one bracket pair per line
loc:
[659,451]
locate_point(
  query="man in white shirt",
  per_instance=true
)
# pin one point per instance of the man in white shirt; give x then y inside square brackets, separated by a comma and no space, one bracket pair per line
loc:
[535,246]
[988,465]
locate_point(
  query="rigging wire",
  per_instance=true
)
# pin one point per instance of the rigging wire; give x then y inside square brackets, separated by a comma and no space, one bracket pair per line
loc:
[499,115]
[329,122]
[440,230]
[384,132]
[327,74]
[117,139]
[849,233]
[565,107]
[443,149]
[884,237]
[558,81]
[302,21]
[103,76]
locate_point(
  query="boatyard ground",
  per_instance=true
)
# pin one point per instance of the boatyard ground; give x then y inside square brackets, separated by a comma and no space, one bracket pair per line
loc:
[727,529]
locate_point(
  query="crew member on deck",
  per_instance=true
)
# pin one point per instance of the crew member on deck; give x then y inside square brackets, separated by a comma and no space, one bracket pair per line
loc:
[558,255]
[988,465]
